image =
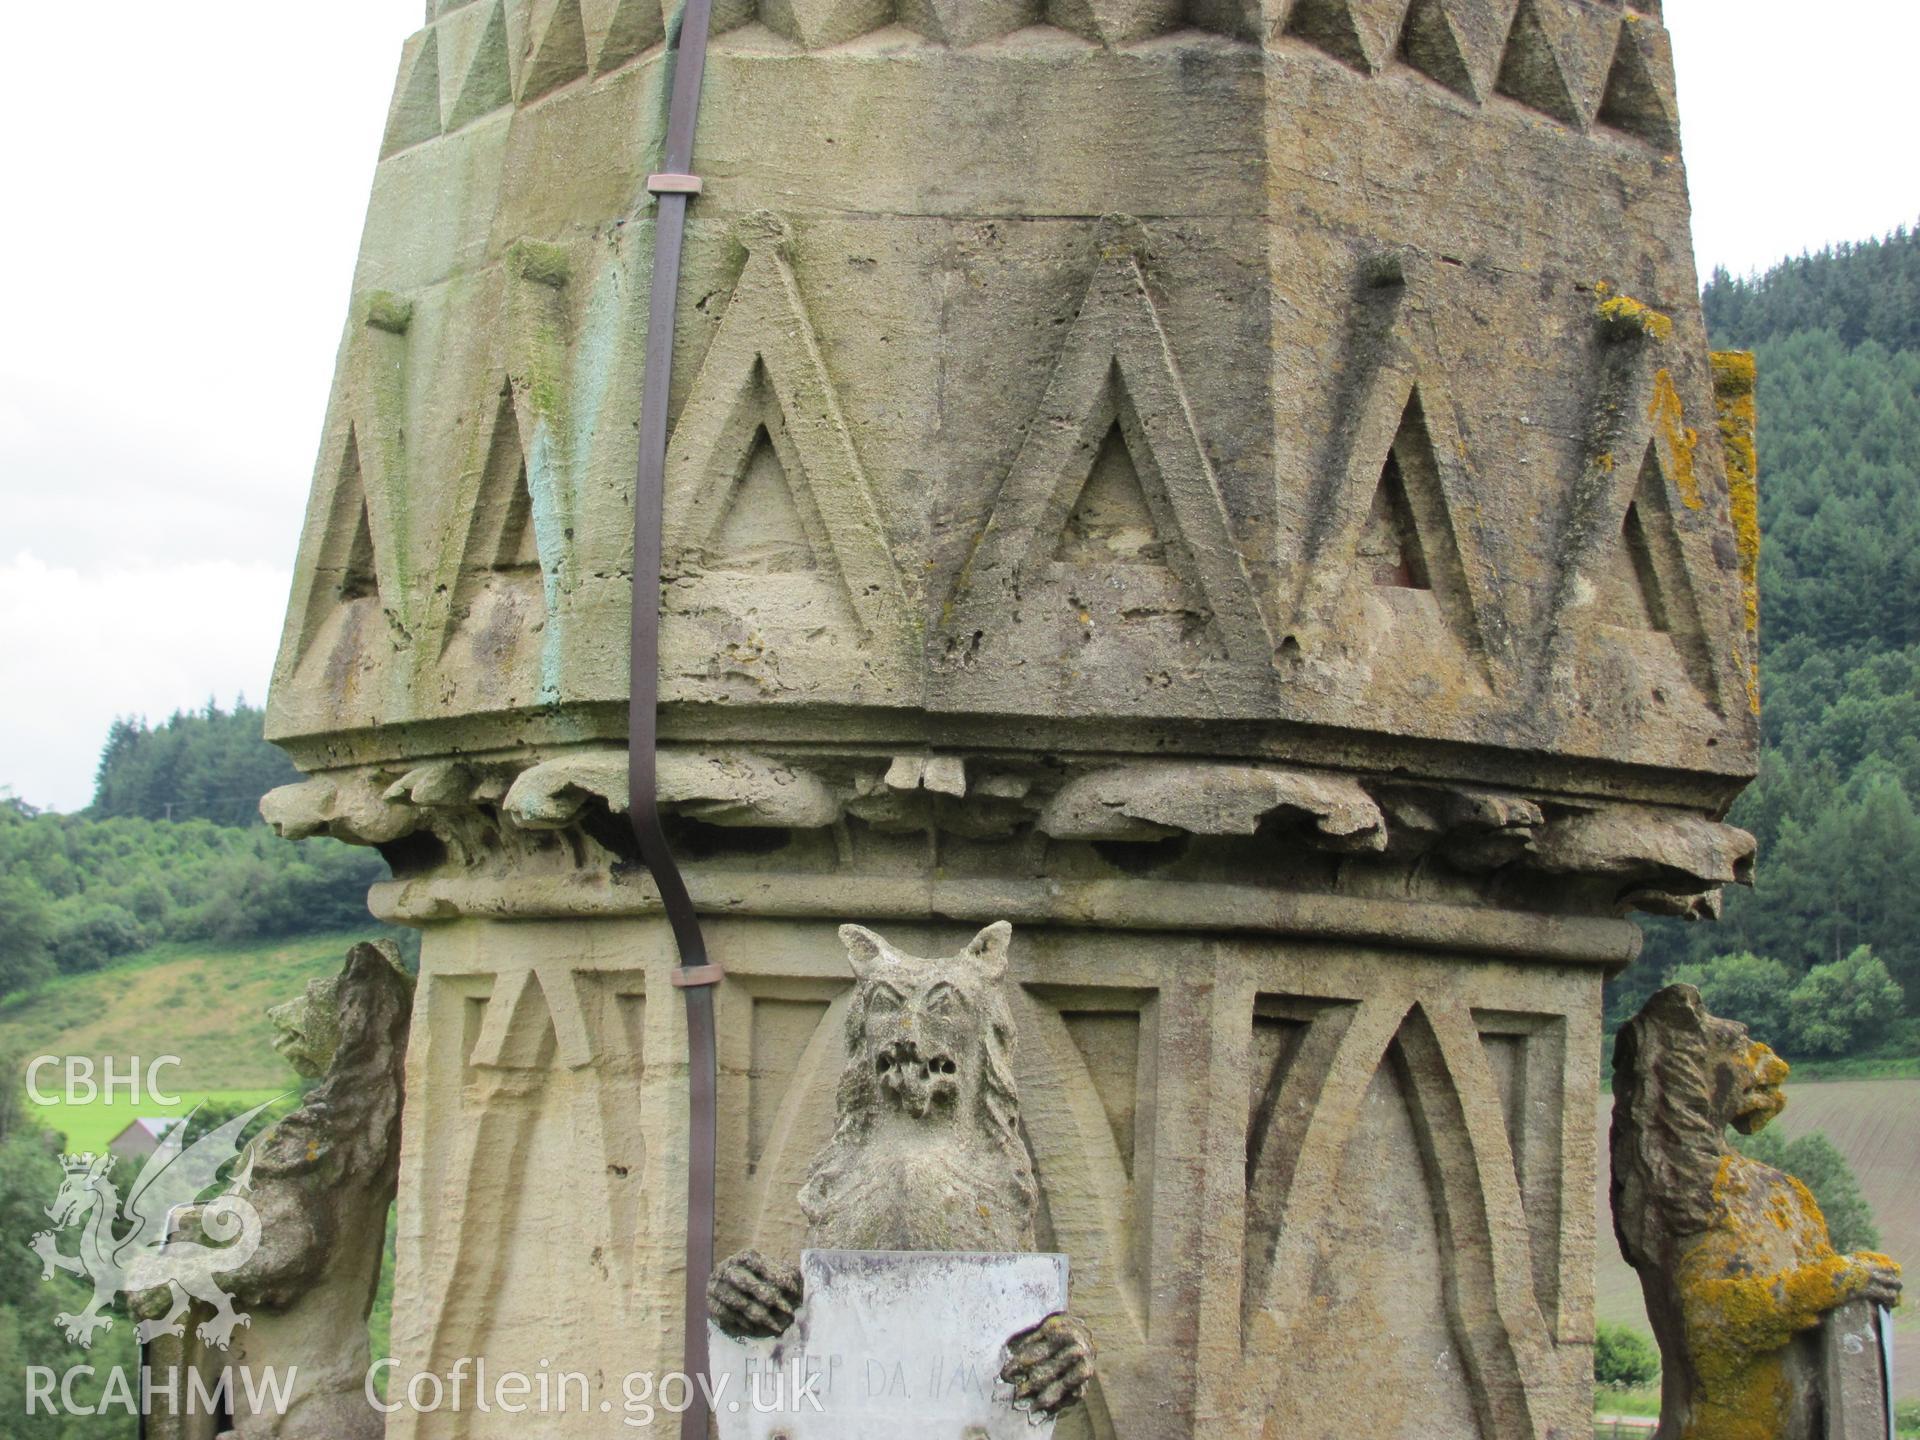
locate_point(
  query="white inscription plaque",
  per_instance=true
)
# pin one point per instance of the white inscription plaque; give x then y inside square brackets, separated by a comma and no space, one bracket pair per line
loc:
[904,1344]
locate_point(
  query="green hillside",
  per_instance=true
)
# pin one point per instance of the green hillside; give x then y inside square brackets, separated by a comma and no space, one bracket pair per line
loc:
[205,1004]
[1837,346]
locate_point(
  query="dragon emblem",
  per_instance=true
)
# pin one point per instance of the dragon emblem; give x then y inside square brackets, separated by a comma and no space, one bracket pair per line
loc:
[130,1246]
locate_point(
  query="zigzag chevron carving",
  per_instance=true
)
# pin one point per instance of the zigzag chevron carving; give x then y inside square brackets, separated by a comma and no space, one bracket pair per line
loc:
[1530,68]
[484,83]
[1439,40]
[1360,32]
[415,115]
[560,51]
[1638,98]
[633,27]
[1581,64]
[816,24]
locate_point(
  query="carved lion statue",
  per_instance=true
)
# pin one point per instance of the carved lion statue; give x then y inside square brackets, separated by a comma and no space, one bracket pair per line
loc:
[926,1151]
[1733,1256]
[322,1180]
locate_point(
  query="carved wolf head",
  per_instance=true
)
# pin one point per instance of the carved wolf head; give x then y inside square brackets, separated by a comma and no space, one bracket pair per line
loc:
[930,1065]
[923,1033]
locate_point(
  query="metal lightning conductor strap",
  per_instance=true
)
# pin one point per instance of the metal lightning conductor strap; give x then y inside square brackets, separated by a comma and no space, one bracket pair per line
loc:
[672,190]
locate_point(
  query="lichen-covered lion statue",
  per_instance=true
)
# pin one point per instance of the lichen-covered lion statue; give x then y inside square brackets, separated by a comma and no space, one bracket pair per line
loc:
[1733,1256]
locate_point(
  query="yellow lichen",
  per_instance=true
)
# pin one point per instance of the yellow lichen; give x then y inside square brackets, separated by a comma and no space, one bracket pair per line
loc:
[1765,1272]
[1626,316]
[1669,421]
[1733,394]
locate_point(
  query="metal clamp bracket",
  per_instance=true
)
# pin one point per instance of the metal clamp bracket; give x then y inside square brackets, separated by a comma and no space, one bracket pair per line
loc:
[670,182]
[685,977]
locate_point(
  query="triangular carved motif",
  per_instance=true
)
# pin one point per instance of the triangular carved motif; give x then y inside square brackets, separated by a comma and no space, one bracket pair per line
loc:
[1430,44]
[1116,373]
[561,55]
[1389,529]
[500,562]
[1333,26]
[637,26]
[1630,587]
[1114,22]
[360,576]
[1111,522]
[1526,1056]
[818,23]
[761,529]
[1648,542]
[519,1031]
[355,611]
[416,106]
[1239,19]
[967,22]
[1531,70]
[1624,554]
[347,567]
[502,536]
[1390,543]
[533,1019]
[1634,101]
[1426,555]
[762,425]
[488,83]
[727,14]
[1109,1043]
[1295,1045]
[1446,1155]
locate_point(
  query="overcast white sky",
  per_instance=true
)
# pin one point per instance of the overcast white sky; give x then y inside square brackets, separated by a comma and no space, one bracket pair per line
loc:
[187,184]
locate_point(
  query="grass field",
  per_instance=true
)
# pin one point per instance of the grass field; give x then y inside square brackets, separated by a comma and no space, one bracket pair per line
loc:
[92,1127]
[205,1005]
[1876,1125]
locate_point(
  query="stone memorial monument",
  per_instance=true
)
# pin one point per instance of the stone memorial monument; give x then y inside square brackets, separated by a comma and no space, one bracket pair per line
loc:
[1764,1330]
[1237,488]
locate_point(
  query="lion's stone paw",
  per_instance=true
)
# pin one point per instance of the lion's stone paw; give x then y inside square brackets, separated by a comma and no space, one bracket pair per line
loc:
[750,1296]
[1049,1366]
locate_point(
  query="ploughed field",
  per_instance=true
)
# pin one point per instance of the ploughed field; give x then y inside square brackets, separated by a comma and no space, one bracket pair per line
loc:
[1876,1125]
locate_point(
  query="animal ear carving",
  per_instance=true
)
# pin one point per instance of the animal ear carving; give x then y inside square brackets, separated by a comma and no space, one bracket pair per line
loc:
[865,949]
[989,949]
[1681,1005]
